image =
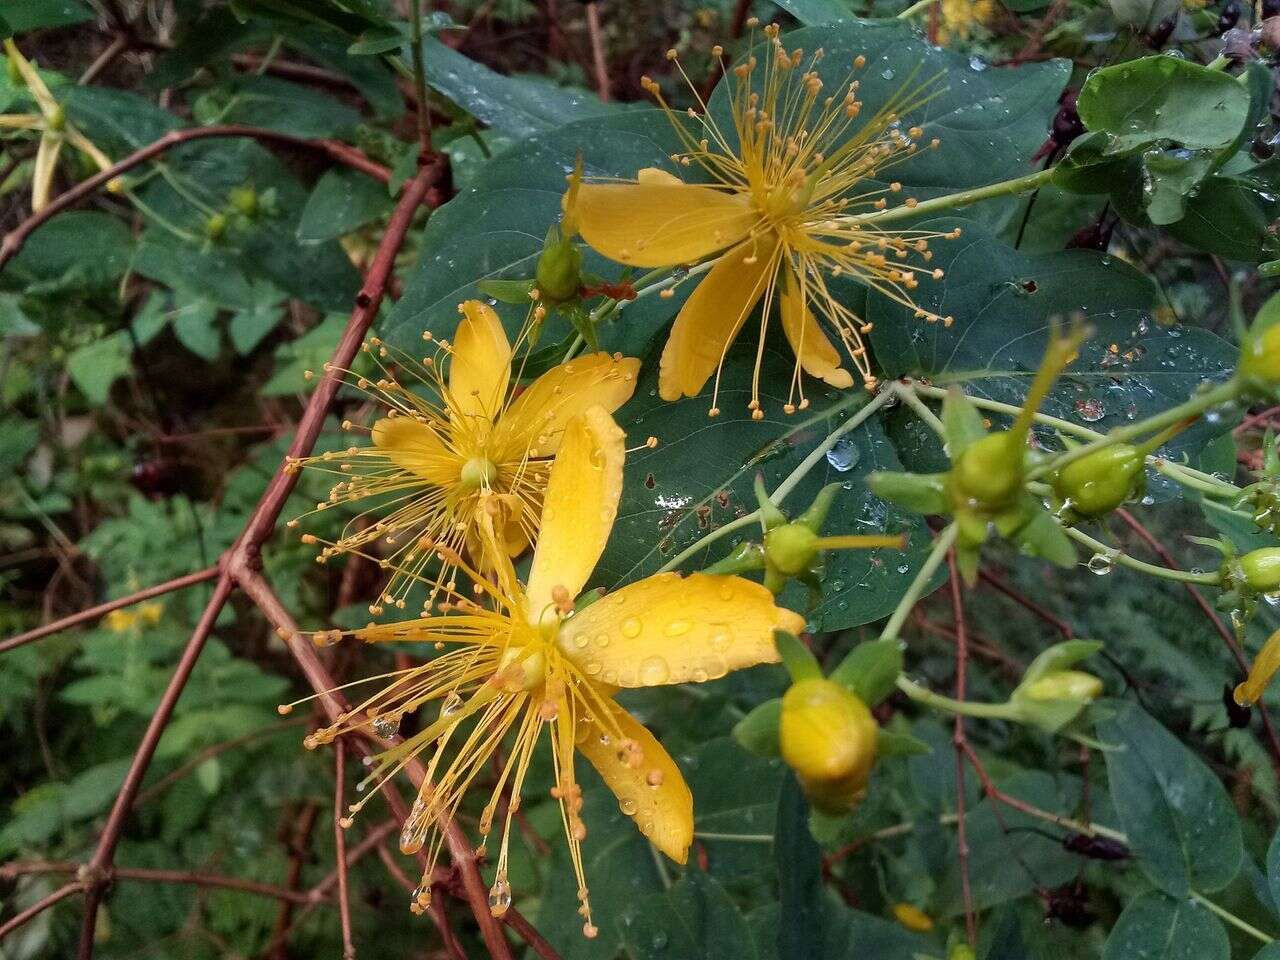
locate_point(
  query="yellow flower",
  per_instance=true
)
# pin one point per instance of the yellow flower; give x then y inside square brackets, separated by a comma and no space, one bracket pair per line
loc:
[54,129]
[785,211]
[530,663]
[123,620]
[912,917]
[961,17]
[472,445]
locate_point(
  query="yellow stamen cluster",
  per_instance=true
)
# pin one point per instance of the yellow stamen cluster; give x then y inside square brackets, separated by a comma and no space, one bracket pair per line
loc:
[811,185]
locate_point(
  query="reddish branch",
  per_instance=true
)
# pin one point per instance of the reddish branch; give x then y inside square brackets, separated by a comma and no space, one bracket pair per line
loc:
[958,738]
[190,877]
[295,832]
[1024,601]
[1273,741]
[102,609]
[37,908]
[340,847]
[339,152]
[596,33]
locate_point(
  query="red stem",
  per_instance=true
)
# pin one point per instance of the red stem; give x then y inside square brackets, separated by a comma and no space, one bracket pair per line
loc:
[39,907]
[102,609]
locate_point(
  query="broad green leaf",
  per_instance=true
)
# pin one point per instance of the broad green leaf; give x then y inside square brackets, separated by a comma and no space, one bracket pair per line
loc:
[1232,216]
[193,325]
[13,321]
[211,273]
[800,893]
[78,248]
[699,479]
[1273,867]
[1164,98]
[17,439]
[715,770]
[520,106]
[694,920]
[1270,952]
[275,104]
[23,15]
[1003,303]
[846,934]
[341,202]
[118,121]
[1155,925]
[1172,177]
[1181,824]
[308,352]
[96,366]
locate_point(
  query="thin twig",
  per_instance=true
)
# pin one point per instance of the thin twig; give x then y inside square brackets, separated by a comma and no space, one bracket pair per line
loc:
[190,877]
[596,35]
[340,846]
[102,609]
[104,60]
[1022,600]
[341,152]
[39,907]
[958,738]
[295,832]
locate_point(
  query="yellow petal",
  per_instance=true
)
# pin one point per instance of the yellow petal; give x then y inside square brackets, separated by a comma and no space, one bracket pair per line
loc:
[713,315]
[88,147]
[578,509]
[535,421]
[31,77]
[653,792]
[43,169]
[480,367]
[672,629]
[660,223]
[1264,667]
[413,446]
[814,352]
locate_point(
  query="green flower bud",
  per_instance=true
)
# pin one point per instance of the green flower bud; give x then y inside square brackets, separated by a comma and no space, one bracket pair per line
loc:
[1260,569]
[1259,366]
[988,475]
[244,200]
[1063,685]
[828,736]
[1097,484]
[791,548]
[559,273]
[216,226]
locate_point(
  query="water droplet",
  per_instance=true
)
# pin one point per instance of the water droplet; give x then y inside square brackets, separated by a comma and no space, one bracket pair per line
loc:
[500,897]
[844,455]
[677,628]
[451,704]
[654,671]
[1100,564]
[387,725]
[627,806]
[631,628]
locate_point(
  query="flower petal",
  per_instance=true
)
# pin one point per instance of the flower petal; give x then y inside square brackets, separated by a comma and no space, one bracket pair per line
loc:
[413,446]
[653,793]
[578,508]
[480,366]
[656,223]
[713,315]
[672,629]
[1264,667]
[536,419]
[814,352]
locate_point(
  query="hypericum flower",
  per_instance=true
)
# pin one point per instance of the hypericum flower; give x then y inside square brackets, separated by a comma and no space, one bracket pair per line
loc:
[529,662]
[472,442]
[51,123]
[125,620]
[961,17]
[786,209]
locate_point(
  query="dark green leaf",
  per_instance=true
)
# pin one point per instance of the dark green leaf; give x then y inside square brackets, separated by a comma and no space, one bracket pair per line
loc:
[193,325]
[341,202]
[1164,98]
[24,15]
[276,104]
[1181,824]
[694,920]
[96,366]
[800,893]
[758,730]
[812,12]
[1233,216]
[79,247]
[1155,925]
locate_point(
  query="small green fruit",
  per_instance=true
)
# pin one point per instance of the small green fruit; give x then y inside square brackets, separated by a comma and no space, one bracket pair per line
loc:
[1098,483]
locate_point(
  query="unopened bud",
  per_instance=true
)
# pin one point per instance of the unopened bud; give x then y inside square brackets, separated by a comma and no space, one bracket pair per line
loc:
[1260,569]
[828,736]
[1098,483]
[245,200]
[988,475]
[559,273]
[1259,367]
[1064,685]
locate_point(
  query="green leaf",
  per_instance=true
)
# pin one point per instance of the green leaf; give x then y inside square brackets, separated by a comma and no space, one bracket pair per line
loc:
[1060,656]
[211,274]
[1154,925]
[758,730]
[519,106]
[193,325]
[1004,301]
[1273,867]
[96,366]
[962,423]
[700,475]
[694,920]
[24,15]
[248,327]
[800,894]
[342,201]
[1172,178]
[1232,216]
[308,352]
[75,249]
[1181,824]
[1164,98]
[276,104]
[870,670]
[13,320]
[891,744]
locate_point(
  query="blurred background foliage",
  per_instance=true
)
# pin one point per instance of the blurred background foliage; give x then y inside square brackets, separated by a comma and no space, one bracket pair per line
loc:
[152,350]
